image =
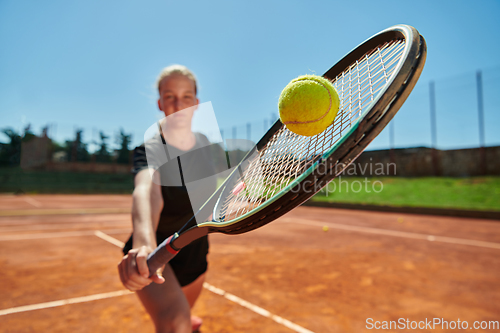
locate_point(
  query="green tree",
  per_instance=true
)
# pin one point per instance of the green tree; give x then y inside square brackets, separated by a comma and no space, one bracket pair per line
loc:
[124,141]
[10,153]
[103,155]
[77,150]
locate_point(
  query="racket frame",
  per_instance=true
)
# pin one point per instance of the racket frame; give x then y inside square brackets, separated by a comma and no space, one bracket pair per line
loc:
[376,116]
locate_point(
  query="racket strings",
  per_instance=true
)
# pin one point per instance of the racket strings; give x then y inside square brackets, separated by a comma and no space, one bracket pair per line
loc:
[368,77]
[287,155]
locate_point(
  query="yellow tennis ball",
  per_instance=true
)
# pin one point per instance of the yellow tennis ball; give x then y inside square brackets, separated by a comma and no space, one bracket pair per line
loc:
[308,105]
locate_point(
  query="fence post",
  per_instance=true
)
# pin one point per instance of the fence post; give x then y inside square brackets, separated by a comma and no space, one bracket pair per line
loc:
[392,157]
[434,153]
[480,114]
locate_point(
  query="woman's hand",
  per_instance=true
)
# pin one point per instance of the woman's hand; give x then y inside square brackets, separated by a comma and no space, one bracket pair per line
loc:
[134,271]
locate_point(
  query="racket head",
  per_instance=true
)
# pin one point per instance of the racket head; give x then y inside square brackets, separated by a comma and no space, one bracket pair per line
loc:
[284,169]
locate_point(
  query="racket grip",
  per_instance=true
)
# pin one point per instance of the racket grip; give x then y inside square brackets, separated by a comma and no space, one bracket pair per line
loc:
[162,254]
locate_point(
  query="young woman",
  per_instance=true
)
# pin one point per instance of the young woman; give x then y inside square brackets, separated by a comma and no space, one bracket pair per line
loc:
[159,211]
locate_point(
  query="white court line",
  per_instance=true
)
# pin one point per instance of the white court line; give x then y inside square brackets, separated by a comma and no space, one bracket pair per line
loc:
[59,234]
[62,211]
[395,233]
[64,302]
[59,226]
[256,309]
[109,239]
[5,223]
[231,297]
[33,202]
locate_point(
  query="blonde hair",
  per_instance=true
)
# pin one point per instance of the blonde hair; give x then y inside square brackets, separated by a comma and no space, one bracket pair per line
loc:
[176,70]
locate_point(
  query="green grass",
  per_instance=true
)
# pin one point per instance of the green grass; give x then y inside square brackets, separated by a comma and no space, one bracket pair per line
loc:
[476,193]
[15,180]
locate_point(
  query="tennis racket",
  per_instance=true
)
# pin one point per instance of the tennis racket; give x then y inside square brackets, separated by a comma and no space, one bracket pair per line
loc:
[285,169]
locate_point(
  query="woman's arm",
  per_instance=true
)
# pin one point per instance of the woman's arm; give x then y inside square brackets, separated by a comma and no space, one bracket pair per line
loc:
[146,208]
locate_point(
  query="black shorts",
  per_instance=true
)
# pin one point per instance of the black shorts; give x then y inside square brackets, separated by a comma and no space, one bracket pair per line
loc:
[189,263]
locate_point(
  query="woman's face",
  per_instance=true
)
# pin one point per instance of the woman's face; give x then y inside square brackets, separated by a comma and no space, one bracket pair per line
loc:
[177,92]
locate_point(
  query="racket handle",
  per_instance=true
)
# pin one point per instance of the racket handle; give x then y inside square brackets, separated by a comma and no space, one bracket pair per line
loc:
[162,254]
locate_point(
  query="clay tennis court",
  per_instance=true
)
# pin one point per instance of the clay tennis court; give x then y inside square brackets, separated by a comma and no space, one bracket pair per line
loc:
[59,255]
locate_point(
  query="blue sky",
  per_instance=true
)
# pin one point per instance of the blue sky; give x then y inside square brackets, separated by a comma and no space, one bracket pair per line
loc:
[92,64]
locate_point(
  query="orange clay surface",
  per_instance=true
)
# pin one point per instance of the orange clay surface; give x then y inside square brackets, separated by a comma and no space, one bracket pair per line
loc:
[324,281]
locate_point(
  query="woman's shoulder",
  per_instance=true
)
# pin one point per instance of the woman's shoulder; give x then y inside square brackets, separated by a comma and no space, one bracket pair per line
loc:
[153,147]
[155,140]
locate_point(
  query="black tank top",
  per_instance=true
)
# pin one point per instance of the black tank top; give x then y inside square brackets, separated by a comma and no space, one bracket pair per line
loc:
[203,160]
